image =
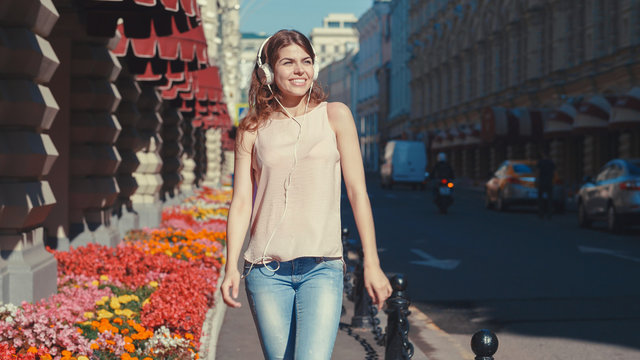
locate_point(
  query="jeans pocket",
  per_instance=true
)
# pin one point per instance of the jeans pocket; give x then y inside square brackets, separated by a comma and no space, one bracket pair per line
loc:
[337,264]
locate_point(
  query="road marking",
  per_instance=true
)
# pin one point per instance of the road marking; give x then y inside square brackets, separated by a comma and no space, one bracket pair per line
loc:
[616,253]
[428,260]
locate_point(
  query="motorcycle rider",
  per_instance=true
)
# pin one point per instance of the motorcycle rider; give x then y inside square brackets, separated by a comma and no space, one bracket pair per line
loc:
[442,169]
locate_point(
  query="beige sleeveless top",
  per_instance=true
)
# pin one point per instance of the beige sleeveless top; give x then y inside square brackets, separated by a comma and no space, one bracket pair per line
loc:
[309,224]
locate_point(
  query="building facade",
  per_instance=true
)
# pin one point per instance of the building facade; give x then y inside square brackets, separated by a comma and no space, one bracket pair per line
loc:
[335,39]
[397,124]
[249,46]
[506,79]
[96,136]
[372,63]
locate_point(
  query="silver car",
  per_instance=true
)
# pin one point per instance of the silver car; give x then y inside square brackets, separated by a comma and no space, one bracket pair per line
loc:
[613,196]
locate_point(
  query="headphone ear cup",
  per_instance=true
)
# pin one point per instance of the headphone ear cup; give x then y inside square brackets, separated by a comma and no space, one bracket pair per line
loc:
[267,74]
[316,70]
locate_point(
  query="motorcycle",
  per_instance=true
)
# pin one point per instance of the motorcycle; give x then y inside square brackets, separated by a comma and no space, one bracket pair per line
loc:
[443,195]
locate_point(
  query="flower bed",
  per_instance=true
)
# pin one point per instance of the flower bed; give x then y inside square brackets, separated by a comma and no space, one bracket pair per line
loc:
[145,299]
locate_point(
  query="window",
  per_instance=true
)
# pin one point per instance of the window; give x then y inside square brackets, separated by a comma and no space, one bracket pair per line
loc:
[349,24]
[603,175]
[522,169]
[333,24]
[634,167]
[323,48]
[336,48]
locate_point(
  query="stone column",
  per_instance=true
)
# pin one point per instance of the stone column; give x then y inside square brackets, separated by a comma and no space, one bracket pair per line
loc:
[557,154]
[129,142]
[27,153]
[188,163]
[200,156]
[482,165]
[468,163]
[588,156]
[214,157]
[94,129]
[145,199]
[171,152]
[228,157]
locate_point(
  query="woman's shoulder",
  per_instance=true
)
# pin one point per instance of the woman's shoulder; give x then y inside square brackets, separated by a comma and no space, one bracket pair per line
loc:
[339,114]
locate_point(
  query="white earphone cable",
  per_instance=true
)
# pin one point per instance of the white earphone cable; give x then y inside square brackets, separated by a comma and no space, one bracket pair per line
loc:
[264,259]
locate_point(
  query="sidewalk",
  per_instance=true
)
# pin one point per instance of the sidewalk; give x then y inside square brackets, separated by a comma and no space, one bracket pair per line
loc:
[238,339]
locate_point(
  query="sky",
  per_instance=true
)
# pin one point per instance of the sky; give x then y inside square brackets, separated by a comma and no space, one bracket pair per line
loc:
[270,16]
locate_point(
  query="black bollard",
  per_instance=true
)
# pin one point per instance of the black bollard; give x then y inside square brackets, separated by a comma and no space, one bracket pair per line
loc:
[398,346]
[484,344]
[361,299]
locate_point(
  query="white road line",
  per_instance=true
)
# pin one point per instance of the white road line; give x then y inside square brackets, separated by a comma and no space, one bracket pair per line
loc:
[429,260]
[615,253]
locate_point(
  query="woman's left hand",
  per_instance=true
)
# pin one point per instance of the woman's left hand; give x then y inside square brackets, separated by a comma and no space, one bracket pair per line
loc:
[377,284]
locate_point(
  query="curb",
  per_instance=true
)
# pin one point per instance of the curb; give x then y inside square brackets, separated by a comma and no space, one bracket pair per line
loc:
[212,325]
[432,342]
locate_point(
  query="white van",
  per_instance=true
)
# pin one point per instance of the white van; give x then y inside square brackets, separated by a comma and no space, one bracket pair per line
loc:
[404,162]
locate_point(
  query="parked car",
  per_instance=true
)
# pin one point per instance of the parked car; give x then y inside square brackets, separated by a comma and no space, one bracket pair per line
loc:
[514,183]
[614,195]
[404,162]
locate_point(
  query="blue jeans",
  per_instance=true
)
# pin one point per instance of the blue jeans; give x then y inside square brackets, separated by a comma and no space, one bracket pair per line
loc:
[297,308]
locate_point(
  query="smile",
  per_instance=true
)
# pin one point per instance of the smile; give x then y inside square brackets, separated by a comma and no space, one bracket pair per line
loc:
[299,82]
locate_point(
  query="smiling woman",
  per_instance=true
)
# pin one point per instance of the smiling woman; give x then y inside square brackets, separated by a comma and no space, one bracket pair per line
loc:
[291,147]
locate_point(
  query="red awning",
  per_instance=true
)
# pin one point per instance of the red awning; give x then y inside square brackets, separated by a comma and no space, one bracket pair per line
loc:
[163,54]
[593,114]
[499,123]
[626,110]
[140,17]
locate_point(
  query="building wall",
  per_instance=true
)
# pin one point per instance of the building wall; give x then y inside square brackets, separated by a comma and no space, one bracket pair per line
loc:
[373,27]
[467,55]
[335,39]
[400,91]
[249,46]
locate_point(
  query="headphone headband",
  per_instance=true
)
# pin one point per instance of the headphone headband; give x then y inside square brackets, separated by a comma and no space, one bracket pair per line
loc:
[267,72]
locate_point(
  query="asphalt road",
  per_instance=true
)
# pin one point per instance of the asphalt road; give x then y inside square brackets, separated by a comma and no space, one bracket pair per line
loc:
[547,288]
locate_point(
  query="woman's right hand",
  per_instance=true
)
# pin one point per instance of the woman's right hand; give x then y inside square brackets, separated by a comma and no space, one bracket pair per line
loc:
[230,287]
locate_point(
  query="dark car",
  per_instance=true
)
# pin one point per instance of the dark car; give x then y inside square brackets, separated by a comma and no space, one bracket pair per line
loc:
[613,196]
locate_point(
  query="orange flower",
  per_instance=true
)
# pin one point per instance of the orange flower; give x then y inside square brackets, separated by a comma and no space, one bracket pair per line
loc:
[94,346]
[129,348]
[32,350]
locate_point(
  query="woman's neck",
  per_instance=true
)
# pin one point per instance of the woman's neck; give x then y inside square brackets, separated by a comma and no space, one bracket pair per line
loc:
[296,106]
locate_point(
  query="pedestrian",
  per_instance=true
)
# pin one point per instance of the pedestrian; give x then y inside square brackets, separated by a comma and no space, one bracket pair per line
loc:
[289,152]
[544,180]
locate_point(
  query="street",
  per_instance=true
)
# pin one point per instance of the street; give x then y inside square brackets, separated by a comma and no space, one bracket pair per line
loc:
[547,288]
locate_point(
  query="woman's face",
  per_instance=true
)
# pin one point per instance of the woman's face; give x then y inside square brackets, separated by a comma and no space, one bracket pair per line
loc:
[293,71]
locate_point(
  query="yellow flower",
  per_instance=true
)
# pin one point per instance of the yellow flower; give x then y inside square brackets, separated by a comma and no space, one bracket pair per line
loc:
[95,283]
[153,284]
[104,314]
[104,278]
[89,315]
[82,357]
[126,312]
[114,303]
[102,301]
[145,302]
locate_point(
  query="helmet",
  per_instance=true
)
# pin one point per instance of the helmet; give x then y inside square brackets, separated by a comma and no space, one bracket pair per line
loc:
[442,156]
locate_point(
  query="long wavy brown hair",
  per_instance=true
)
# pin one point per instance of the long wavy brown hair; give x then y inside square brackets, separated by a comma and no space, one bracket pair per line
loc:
[261,101]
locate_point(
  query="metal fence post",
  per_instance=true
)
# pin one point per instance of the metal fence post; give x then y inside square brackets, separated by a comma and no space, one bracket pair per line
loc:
[361,299]
[398,346]
[484,344]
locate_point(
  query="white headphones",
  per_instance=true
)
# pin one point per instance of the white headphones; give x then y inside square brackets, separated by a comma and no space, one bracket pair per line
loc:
[267,72]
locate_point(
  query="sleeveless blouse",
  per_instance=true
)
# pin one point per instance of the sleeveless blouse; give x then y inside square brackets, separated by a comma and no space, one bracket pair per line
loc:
[309,224]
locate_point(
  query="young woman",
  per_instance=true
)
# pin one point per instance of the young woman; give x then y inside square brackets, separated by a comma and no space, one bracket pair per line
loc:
[289,152]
